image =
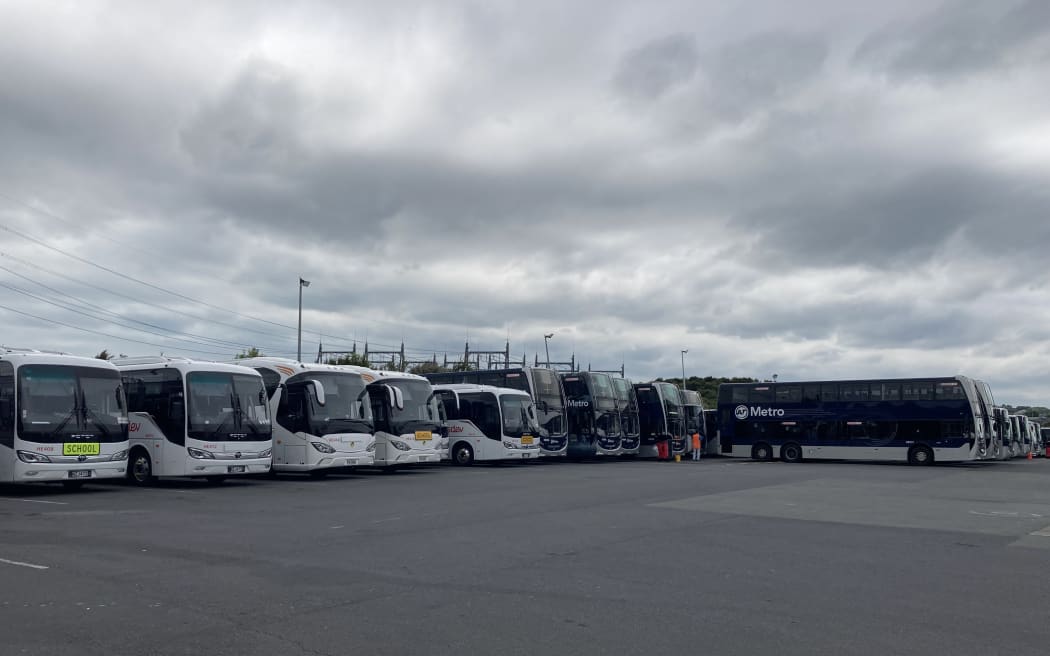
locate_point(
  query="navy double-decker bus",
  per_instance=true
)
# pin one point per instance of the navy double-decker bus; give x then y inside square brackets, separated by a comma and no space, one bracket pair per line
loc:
[627,404]
[543,385]
[919,420]
[660,415]
[594,422]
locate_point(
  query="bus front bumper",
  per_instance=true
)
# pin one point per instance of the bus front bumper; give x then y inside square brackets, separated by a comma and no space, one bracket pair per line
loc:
[55,472]
[205,467]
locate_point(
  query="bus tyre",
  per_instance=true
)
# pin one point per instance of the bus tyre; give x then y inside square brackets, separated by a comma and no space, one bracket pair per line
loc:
[791,452]
[920,455]
[140,468]
[462,454]
[762,451]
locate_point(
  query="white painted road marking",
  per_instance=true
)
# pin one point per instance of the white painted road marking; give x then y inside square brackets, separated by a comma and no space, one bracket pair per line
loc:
[56,503]
[21,564]
[1043,532]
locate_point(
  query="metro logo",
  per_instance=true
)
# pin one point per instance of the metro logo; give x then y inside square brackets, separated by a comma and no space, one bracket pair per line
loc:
[743,412]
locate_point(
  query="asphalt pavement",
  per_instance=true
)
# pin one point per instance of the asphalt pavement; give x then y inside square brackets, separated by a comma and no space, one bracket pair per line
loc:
[610,557]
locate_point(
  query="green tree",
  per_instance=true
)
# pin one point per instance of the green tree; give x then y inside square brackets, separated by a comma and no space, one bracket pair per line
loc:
[427,368]
[250,353]
[355,359]
[708,386]
[462,366]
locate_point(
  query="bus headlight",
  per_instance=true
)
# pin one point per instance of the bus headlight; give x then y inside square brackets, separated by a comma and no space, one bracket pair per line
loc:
[32,458]
[322,447]
[200,454]
[266,453]
[120,455]
[400,446]
[510,445]
[371,447]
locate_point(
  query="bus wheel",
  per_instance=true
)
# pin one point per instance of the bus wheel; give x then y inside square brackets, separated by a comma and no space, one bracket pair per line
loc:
[791,453]
[140,468]
[920,455]
[70,486]
[762,451]
[462,454]
[215,480]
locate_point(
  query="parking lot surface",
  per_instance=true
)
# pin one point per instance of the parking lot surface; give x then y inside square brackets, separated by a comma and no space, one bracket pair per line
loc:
[721,556]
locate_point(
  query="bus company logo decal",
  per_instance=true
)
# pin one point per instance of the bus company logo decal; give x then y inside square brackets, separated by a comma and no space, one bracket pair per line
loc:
[578,404]
[744,412]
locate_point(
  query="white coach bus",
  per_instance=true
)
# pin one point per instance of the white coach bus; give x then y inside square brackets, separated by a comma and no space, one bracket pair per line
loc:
[62,419]
[195,418]
[406,418]
[488,423]
[321,413]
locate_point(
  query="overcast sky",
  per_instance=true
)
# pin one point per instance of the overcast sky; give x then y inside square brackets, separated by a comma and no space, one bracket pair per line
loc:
[817,189]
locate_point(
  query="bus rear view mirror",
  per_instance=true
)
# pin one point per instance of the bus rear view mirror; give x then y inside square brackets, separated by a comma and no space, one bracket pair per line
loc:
[396,398]
[318,392]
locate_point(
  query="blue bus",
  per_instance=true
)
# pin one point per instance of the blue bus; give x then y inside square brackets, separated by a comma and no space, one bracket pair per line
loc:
[920,421]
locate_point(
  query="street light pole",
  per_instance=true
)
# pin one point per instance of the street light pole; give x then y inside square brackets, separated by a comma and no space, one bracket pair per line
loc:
[299,346]
[546,349]
[684,351]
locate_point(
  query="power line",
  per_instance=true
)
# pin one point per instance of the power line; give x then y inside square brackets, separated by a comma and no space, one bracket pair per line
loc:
[97,332]
[84,304]
[115,323]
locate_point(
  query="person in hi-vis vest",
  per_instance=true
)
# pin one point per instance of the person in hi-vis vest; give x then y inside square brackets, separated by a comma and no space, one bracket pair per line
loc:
[697,446]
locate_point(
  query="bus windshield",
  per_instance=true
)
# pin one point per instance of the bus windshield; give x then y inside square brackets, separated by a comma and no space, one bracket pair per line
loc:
[227,407]
[346,405]
[56,402]
[602,386]
[518,415]
[420,402]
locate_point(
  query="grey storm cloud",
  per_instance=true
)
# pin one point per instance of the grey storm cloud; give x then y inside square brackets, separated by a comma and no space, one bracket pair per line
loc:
[959,38]
[650,71]
[814,192]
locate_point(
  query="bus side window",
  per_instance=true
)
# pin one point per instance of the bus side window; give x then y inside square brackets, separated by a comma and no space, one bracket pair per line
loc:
[740,394]
[7,404]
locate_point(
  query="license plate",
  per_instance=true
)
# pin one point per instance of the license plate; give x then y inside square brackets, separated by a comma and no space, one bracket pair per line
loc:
[236,469]
[423,436]
[80,473]
[526,439]
[80,449]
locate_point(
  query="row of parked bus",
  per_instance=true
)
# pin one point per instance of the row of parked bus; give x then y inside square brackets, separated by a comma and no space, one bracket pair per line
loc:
[70,419]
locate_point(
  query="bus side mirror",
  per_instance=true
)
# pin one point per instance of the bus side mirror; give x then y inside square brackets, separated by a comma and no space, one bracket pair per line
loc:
[395,397]
[318,392]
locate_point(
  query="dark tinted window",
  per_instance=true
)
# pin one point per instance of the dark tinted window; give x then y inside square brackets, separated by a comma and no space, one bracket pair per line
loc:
[482,409]
[811,393]
[447,399]
[876,392]
[917,391]
[271,379]
[829,393]
[7,404]
[890,391]
[854,392]
[490,378]
[159,392]
[949,391]
[789,393]
[739,394]
[761,394]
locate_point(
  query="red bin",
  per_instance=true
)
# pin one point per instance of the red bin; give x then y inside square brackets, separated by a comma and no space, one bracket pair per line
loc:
[663,451]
